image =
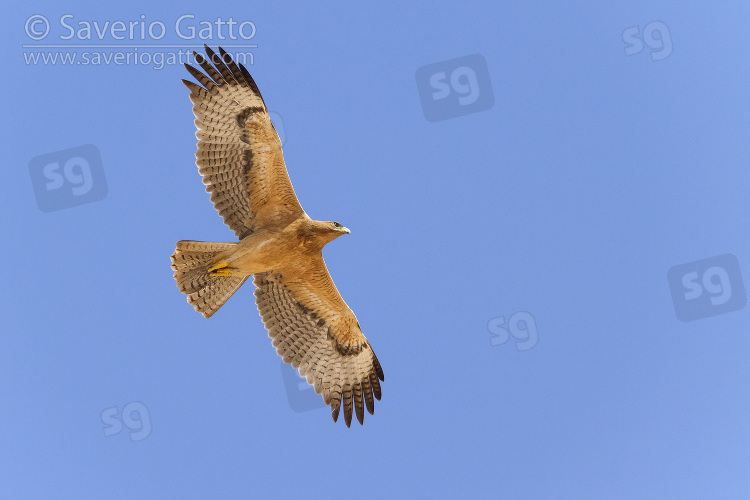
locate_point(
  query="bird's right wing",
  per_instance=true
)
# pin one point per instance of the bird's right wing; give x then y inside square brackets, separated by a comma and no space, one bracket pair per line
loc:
[239,152]
[315,331]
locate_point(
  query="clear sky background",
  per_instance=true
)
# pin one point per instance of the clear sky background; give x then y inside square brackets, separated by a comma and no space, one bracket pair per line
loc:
[547,252]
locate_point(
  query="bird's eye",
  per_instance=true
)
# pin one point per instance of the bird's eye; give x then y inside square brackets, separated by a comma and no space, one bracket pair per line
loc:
[336,224]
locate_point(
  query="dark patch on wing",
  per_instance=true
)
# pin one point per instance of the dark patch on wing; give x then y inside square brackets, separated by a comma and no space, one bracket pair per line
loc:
[246,113]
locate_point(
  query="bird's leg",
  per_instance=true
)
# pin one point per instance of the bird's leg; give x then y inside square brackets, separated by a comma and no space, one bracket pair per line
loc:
[221,268]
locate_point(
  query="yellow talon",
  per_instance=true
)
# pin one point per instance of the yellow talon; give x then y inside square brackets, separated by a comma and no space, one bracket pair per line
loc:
[221,268]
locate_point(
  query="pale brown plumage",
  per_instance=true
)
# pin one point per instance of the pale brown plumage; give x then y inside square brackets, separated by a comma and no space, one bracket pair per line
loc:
[239,156]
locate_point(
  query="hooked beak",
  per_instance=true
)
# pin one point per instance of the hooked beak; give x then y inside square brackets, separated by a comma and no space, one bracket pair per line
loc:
[346,230]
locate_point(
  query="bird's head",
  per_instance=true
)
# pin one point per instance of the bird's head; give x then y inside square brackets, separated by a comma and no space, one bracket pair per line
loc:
[322,232]
[335,229]
[331,230]
[338,228]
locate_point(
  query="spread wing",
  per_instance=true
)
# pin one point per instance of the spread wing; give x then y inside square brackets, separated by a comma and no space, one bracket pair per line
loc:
[315,331]
[239,152]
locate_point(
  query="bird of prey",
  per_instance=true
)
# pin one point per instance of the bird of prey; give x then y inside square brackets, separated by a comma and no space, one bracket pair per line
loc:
[239,156]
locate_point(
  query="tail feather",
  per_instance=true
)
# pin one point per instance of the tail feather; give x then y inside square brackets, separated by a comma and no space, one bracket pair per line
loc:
[190,263]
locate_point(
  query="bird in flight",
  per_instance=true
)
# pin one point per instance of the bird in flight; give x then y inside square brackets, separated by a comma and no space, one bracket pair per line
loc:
[239,156]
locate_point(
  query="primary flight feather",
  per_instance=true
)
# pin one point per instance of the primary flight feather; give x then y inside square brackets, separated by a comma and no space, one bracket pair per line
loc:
[239,156]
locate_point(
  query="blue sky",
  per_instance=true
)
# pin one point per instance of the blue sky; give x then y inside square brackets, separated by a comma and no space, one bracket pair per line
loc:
[548,205]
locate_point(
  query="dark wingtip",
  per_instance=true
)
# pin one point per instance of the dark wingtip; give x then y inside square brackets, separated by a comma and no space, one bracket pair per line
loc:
[378,368]
[195,88]
[359,405]
[210,53]
[348,415]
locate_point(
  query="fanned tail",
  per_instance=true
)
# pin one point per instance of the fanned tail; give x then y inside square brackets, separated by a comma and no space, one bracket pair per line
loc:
[190,262]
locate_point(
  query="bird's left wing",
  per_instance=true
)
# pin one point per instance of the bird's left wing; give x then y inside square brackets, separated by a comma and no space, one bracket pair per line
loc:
[239,152]
[315,331]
